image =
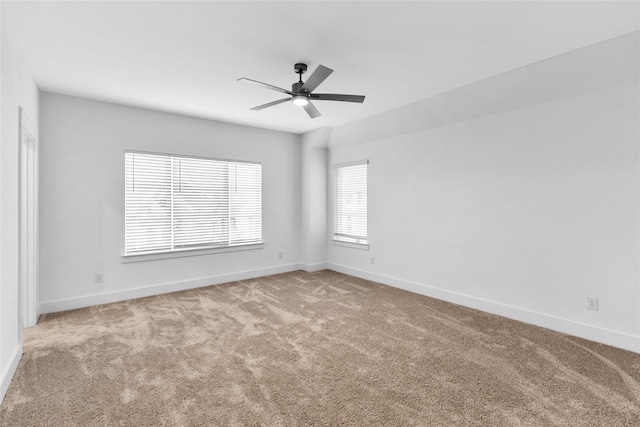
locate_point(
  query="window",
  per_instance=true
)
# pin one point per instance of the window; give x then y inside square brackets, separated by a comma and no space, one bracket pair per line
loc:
[176,203]
[350,203]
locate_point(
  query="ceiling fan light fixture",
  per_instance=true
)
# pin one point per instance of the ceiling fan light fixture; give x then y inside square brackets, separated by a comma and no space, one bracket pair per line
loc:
[300,100]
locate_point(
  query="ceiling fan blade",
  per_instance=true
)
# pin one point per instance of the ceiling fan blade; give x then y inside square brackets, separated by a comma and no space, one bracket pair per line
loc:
[264,85]
[317,77]
[270,104]
[311,110]
[337,97]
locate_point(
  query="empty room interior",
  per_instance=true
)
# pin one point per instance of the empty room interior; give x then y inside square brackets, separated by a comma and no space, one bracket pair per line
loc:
[320,213]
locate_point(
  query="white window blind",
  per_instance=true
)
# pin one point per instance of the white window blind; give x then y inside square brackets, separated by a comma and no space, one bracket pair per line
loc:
[350,203]
[176,203]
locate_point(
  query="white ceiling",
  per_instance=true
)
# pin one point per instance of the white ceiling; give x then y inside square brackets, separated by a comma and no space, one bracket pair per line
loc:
[185,57]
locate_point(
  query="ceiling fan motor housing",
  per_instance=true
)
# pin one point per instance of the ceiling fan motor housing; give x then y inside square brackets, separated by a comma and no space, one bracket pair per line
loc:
[297,88]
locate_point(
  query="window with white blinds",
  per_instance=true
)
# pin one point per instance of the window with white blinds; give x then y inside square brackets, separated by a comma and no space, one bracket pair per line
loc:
[350,202]
[177,203]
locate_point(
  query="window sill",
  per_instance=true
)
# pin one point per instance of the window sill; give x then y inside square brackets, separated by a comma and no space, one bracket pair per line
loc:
[361,246]
[189,253]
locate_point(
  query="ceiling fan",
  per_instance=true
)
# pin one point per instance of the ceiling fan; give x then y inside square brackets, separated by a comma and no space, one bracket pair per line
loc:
[301,93]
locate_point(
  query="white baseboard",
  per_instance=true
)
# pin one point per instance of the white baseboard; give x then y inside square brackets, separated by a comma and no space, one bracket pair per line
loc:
[310,268]
[7,374]
[594,333]
[96,299]
[589,332]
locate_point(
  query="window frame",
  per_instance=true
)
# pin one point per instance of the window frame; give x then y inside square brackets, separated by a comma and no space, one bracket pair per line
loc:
[359,242]
[194,251]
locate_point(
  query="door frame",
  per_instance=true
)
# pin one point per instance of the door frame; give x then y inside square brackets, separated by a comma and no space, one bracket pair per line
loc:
[28,221]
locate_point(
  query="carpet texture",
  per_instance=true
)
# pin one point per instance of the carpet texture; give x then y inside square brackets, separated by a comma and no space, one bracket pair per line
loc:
[312,349]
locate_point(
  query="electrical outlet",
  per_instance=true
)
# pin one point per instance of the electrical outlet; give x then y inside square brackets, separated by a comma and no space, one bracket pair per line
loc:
[373,260]
[99,278]
[592,303]
[280,255]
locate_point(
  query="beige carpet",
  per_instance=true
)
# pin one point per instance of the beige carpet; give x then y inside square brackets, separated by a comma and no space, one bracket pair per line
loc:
[319,349]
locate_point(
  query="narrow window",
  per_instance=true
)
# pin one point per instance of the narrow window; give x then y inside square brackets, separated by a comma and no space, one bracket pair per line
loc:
[350,203]
[176,203]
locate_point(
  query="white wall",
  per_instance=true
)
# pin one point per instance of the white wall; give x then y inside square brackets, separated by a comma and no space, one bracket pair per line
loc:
[82,200]
[511,195]
[17,89]
[314,164]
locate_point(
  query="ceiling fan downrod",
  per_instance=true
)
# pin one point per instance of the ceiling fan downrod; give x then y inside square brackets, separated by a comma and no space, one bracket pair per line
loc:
[300,96]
